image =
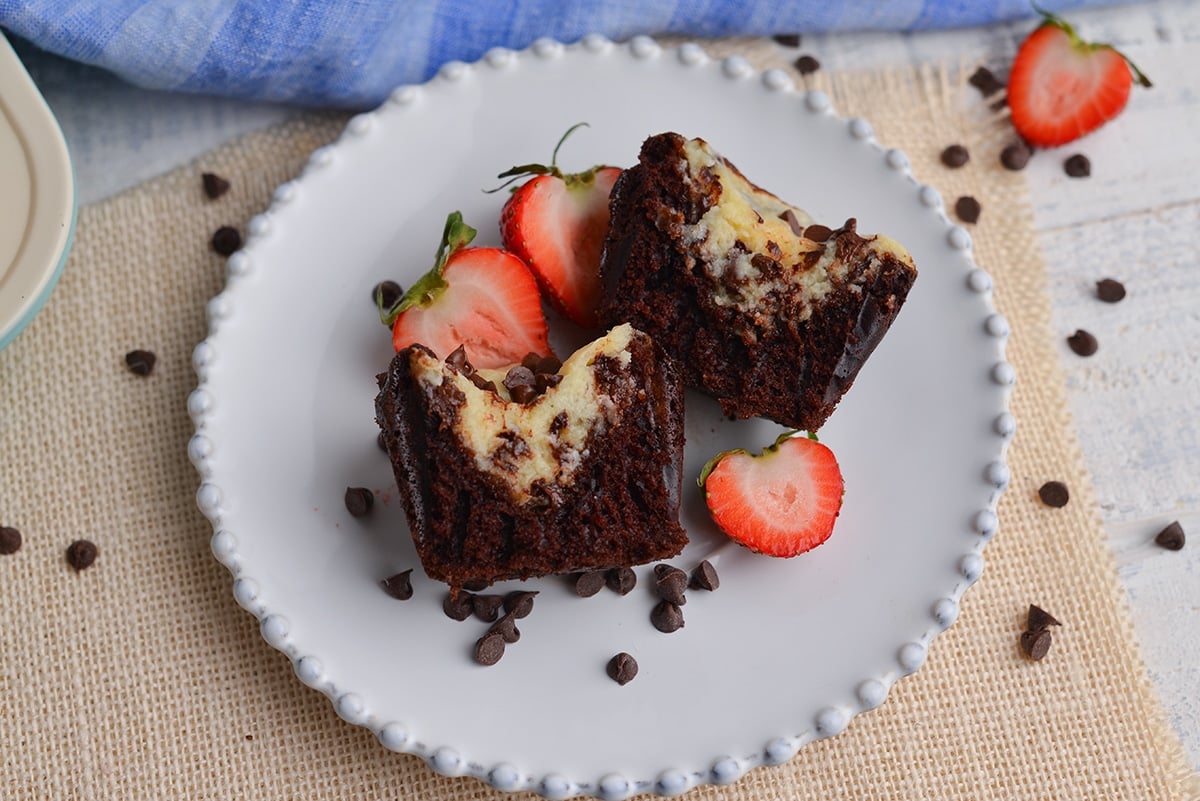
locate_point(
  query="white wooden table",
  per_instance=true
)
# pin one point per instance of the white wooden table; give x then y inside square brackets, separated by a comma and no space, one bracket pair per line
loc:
[1137,219]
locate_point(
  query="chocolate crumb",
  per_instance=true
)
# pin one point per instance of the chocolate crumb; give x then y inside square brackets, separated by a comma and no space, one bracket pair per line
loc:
[967,209]
[1039,619]
[458,607]
[487,607]
[588,583]
[214,185]
[1077,166]
[399,586]
[622,668]
[475,585]
[621,580]
[10,540]
[226,240]
[1036,644]
[1083,343]
[506,627]
[1110,290]
[787,39]
[1015,156]
[1054,493]
[670,583]
[81,554]
[955,156]
[806,65]
[519,603]
[140,362]
[386,294]
[359,501]
[985,81]
[704,577]
[1171,537]
[666,617]
[489,648]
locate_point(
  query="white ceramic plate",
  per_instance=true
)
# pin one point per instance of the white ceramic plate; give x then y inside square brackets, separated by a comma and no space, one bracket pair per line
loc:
[786,651]
[37,198]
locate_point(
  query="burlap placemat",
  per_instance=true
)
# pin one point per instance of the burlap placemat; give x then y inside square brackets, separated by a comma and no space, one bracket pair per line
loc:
[140,678]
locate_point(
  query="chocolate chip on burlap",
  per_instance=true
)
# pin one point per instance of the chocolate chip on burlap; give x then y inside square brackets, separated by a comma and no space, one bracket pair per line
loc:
[1083,343]
[986,82]
[1015,156]
[622,668]
[1038,618]
[359,501]
[214,185]
[787,39]
[226,240]
[81,554]
[1036,644]
[806,65]
[1171,537]
[967,209]
[955,156]
[399,586]
[140,362]
[10,540]
[1054,493]
[1110,290]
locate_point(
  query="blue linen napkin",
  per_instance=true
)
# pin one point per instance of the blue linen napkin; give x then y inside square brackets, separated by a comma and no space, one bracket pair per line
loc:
[351,53]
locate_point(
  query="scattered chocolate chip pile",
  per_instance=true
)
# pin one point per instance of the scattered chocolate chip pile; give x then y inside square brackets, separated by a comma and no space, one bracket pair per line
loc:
[955,156]
[1171,537]
[1110,290]
[10,540]
[787,39]
[399,586]
[1083,343]
[81,554]
[967,209]
[503,630]
[214,185]
[140,362]
[359,501]
[622,668]
[226,240]
[1015,156]
[1054,493]
[1036,639]
[386,294]
[1077,166]
[806,65]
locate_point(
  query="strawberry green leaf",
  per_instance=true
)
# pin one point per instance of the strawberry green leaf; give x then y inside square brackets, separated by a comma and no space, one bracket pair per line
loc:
[456,235]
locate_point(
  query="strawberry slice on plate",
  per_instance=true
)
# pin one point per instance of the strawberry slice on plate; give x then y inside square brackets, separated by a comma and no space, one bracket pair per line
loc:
[1061,87]
[556,223]
[484,299]
[781,502]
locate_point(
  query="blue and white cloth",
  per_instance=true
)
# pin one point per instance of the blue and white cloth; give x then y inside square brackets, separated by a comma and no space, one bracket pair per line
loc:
[351,53]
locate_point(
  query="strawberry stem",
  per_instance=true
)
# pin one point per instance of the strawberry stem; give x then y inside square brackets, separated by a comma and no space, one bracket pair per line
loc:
[514,174]
[455,235]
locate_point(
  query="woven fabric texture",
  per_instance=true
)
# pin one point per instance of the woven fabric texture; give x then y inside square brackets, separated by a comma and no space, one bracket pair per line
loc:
[140,677]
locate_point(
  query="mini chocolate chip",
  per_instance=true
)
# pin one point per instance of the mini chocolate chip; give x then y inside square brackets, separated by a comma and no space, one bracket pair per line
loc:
[481,382]
[670,585]
[621,580]
[140,362]
[226,240]
[1110,290]
[10,540]
[487,607]
[1171,537]
[385,294]
[489,648]
[1036,644]
[458,607]
[359,501]
[787,39]
[666,617]
[381,441]
[1039,619]
[476,584]
[1054,493]
[399,586]
[458,360]
[967,209]
[789,217]
[541,364]
[985,81]
[588,583]
[506,627]
[521,384]
[806,65]
[1083,343]
[622,668]
[818,233]
[704,577]
[81,554]
[1077,166]
[519,603]
[1015,156]
[547,380]
[214,185]
[955,156]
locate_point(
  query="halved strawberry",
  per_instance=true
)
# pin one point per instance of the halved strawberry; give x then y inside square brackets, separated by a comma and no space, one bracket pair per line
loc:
[484,299]
[556,224]
[782,502]
[1061,87]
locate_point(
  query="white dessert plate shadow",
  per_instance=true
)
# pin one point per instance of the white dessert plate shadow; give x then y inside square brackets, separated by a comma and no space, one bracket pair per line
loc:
[785,651]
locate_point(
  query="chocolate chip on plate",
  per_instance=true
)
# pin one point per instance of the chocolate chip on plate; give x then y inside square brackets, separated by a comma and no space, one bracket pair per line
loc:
[81,554]
[955,156]
[214,185]
[1171,537]
[622,668]
[666,617]
[787,39]
[489,648]
[399,586]
[140,362]
[1016,156]
[1077,166]
[359,501]
[381,441]
[704,577]
[621,580]
[487,607]
[476,585]
[670,583]
[226,240]
[506,627]
[10,540]
[588,583]
[985,81]
[1083,343]
[458,606]
[386,293]
[1039,619]
[806,65]
[1036,644]
[519,603]
[1110,290]
[1054,493]
[967,209]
